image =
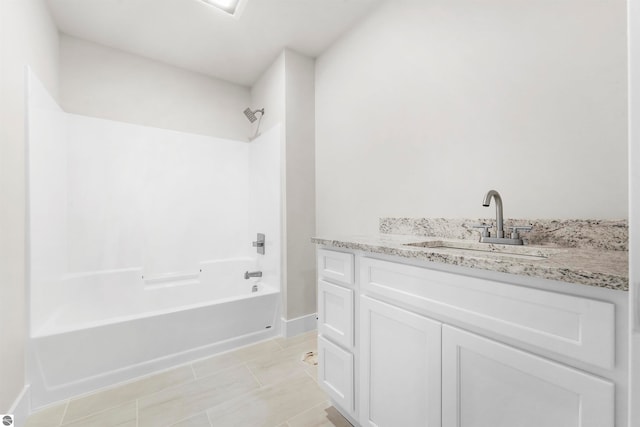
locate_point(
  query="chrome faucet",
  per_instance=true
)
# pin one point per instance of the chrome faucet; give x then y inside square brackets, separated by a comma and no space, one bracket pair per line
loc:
[485,236]
[499,219]
[248,274]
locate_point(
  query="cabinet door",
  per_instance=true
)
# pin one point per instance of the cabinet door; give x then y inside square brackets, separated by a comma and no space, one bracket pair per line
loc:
[485,383]
[335,373]
[335,313]
[400,367]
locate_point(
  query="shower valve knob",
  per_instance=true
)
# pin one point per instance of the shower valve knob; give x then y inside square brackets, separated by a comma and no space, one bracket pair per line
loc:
[259,244]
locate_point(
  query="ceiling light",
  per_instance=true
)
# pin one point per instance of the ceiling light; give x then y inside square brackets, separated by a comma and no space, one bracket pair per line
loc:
[229,6]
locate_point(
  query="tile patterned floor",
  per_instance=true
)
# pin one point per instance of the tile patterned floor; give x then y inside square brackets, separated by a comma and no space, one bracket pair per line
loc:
[266,384]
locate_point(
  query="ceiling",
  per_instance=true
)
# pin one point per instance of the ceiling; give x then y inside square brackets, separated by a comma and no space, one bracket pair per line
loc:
[193,35]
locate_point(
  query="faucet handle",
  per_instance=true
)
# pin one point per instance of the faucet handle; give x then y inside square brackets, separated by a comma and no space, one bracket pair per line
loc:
[516,228]
[485,227]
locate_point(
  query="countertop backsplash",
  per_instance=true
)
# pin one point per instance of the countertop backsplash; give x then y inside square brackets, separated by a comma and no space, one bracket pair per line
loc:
[611,235]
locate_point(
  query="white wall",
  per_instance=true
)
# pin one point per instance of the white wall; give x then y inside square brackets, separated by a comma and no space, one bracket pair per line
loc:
[99,81]
[426,105]
[300,187]
[286,91]
[27,37]
[634,211]
[269,93]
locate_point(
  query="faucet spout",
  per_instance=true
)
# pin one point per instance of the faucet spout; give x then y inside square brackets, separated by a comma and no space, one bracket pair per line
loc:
[499,218]
[248,274]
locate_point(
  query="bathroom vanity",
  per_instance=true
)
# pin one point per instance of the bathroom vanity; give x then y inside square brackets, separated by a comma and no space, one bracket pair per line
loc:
[416,333]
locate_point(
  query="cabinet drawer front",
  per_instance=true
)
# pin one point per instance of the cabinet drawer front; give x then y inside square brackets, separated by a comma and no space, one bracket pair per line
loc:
[335,313]
[335,373]
[336,266]
[572,326]
[485,383]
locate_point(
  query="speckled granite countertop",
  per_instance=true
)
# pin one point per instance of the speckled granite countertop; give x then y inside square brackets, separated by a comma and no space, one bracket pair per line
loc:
[587,262]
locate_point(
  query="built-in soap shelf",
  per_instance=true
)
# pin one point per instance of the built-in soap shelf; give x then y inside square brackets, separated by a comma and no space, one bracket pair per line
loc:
[167,280]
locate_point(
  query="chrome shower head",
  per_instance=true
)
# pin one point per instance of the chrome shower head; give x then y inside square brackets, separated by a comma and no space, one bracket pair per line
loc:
[251,115]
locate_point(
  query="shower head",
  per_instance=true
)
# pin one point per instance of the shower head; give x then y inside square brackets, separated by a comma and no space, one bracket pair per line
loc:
[251,115]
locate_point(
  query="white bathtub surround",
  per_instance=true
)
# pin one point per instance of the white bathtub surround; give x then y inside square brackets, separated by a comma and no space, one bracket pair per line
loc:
[139,240]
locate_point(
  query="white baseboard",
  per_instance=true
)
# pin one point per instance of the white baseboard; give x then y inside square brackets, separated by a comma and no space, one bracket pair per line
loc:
[21,407]
[299,325]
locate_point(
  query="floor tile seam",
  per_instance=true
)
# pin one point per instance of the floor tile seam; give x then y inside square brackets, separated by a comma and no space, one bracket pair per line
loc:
[239,350]
[301,366]
[278,357]
[64,413]
[163,389]
[195,414]
[307,367]
[150,375]
[289,377]
[91,414]
[261,389]
[251,359]
[217,371]
[201,391]
[324,402]
[311,376]
[304,365]
[193,371]
[298,352]
[96,413]
[38,413]
[227,401]
[301,341]
[126,383]
[286,377]
[255,377]
[224,401]
[279,345]
[228,368]
[139,396]
[193,381]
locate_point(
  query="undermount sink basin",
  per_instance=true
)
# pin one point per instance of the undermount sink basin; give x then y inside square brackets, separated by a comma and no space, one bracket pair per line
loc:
[523,252]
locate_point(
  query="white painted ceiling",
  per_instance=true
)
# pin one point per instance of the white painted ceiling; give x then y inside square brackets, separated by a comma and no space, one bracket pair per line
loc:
[193,35]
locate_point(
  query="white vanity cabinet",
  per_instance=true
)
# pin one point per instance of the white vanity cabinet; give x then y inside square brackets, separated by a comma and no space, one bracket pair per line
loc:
[400,367]
[335,374]
[402,356]
[486,383]
[336,326]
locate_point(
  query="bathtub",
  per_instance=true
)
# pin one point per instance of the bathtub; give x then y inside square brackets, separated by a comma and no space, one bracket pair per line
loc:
[108,327]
